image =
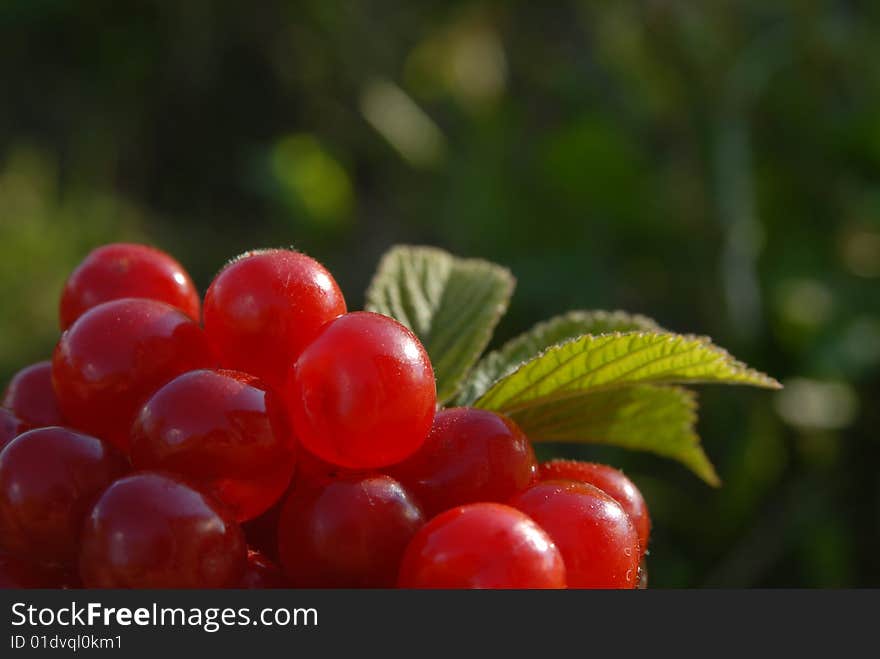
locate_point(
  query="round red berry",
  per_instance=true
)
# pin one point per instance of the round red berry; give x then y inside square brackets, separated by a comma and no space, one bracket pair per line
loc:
[49,477]
[350,533]
[31,397]
[596,537]
[261,573]
[10,427]
[482,545]
[115,356]
[223,431]
[611,481]
[152,530]
[362,395]
[265,307]
[470,455]
[123,270]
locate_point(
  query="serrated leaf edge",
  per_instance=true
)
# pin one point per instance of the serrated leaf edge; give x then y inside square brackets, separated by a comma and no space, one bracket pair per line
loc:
[760,379]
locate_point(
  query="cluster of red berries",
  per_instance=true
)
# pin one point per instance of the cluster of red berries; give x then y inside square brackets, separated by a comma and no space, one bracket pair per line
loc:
[273,439]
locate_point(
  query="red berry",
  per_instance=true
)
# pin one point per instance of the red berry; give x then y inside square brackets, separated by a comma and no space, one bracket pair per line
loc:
[350,533]
[609,480]
[123,270]
[151,530]
[224,432]
[470,455]
[115,356]
[362,395]
[31,396]
[261,573]
[482,545]
[265,307]
[18,573]
[596,537]
[49,477]
[10,427]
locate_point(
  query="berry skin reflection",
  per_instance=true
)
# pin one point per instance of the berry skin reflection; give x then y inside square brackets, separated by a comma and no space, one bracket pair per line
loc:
[470,455]
[482,545]
[123,270]
[152,530]
[265,307]
[287,443]
[225,432]
[362,394]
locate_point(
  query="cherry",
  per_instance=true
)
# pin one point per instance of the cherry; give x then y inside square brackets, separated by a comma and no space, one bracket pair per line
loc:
[261,573]
[597,539]
[265,307]
[115,356]
[18,573]
[49,477]
[362,395]
[609,480]
[31,397]
[224,432]
[350,533]
[152,530]
[470,455]
[123,270]
[10,427]
[482,545]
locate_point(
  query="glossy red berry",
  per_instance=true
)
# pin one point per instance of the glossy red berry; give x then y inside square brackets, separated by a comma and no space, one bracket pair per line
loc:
[482,545]
[118,354]
[31,397]
[470,455]
[152,530]
[123,270]
[224,432]
[10,427]
[362,395]
[49,477]
[350,533]
[611,481]
[265,307]
[597,539]
[261,573]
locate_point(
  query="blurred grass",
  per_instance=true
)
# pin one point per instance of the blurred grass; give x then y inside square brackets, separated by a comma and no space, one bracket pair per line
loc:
[713,166]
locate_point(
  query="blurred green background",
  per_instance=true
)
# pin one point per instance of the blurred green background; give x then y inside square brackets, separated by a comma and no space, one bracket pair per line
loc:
[713,165]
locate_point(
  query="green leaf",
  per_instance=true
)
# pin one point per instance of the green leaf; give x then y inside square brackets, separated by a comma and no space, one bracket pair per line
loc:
[524,347]
[651,418]
[595,363]
[609,389]
[451,304]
